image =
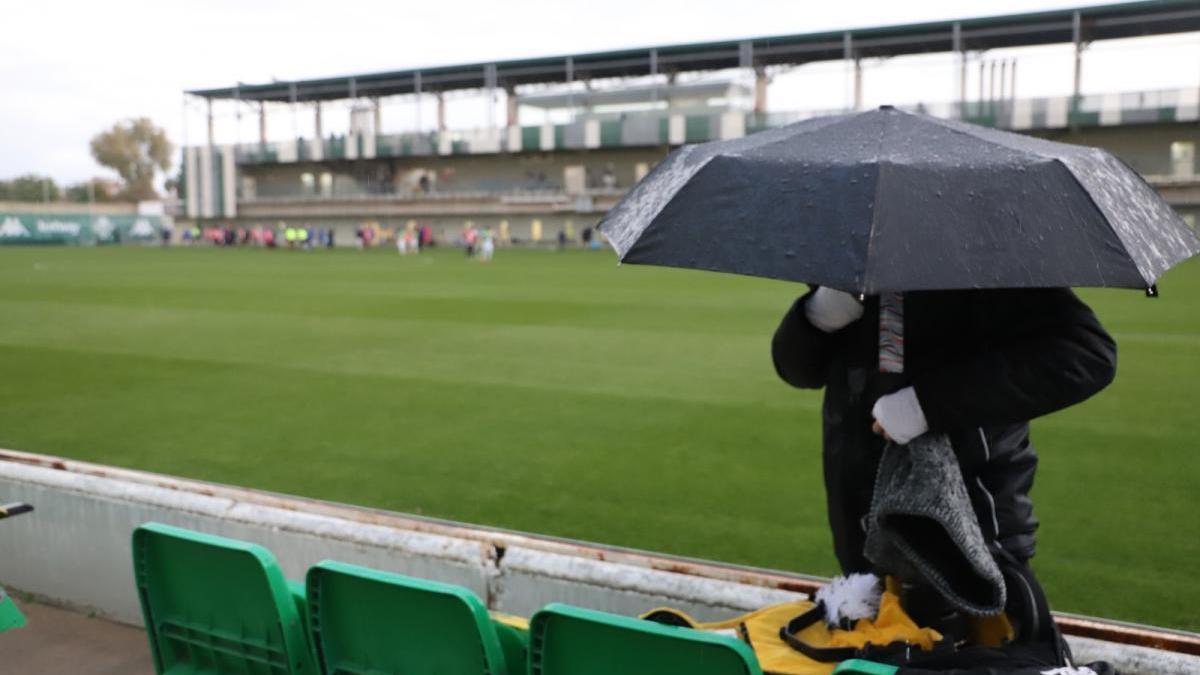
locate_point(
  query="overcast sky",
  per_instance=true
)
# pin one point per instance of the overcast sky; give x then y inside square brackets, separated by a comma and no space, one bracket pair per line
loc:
[70,69]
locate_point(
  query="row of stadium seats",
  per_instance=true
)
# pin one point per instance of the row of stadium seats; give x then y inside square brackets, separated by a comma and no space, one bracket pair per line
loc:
[214,605]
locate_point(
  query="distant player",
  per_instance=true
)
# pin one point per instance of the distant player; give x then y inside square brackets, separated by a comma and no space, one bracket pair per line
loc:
[487,245]
[470,239]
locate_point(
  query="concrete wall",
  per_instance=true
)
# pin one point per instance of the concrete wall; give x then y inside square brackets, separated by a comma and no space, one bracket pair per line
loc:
[74,549]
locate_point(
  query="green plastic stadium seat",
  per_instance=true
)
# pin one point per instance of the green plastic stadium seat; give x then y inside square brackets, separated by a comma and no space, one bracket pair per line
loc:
[368,621]
[216,606]
[567,640]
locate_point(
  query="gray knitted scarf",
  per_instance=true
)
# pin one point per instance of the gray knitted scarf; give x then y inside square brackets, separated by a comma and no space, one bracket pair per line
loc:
[922,522]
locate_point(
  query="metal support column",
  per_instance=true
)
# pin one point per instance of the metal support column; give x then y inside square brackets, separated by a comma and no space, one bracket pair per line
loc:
[262,122]
[512,103]
[417,96]
[292,108]
[652,67]
[570,73]
[858,93]
[982,70]
[1077,38]
[441,112]
[210,121]
[760,89]
[317,122]
[489,86]
[962,68]
[377,122]
[851,62]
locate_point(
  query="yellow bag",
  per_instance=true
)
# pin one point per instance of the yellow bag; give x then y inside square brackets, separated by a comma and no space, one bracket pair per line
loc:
[781,651]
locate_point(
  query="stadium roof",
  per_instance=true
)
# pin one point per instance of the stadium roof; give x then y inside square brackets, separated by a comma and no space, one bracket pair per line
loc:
[1131,19]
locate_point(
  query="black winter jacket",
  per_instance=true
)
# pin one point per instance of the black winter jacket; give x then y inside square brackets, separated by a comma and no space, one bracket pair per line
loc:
[983,363]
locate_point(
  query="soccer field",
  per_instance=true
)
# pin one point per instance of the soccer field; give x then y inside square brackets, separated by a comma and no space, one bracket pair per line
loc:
[555,393]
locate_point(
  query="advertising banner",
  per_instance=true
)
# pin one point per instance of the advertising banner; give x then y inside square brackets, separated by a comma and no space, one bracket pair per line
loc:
[74,228]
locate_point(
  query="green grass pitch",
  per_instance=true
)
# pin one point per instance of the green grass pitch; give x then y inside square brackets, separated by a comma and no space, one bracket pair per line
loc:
[555,393]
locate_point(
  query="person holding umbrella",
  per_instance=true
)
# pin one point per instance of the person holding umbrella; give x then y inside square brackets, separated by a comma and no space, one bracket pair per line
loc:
[978,365]
[940,257]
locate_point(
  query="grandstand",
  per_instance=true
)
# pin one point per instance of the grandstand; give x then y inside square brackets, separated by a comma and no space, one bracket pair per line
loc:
[604,119]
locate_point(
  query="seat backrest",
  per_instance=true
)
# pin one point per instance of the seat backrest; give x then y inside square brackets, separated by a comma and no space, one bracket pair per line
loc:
[216,605]
[567,640]
[369,621]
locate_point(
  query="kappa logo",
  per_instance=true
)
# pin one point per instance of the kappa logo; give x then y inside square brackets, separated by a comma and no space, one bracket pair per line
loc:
[12,228]
[103,227]
[141,228]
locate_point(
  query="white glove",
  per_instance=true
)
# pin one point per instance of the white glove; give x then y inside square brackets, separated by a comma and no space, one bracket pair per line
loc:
[830,309]
[900,415]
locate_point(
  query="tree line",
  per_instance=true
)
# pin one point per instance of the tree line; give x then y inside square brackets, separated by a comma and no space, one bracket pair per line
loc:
[135,149]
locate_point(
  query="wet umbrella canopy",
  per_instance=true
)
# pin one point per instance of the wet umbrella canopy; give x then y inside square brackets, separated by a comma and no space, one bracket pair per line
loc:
[891,201]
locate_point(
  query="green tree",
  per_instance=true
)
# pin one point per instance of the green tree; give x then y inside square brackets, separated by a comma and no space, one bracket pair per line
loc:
[29,188]
[79,192]
[177,183]
[137,150]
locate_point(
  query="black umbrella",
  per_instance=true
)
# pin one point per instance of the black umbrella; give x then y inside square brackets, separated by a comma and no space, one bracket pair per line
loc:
[891,201]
